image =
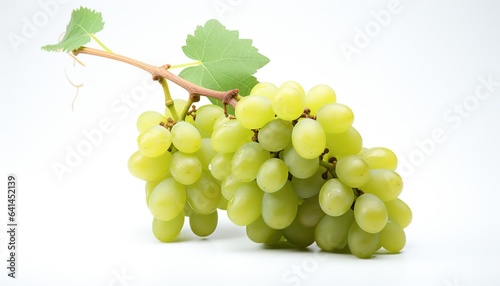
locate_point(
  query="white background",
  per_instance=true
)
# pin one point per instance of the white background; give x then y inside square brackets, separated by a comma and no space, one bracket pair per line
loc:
[91,226]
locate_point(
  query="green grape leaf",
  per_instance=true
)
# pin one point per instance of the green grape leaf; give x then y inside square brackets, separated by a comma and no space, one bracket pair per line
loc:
[227,62]
[84,23]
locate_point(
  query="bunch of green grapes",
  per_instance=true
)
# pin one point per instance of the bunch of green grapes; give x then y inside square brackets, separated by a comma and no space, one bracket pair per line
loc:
[290,167]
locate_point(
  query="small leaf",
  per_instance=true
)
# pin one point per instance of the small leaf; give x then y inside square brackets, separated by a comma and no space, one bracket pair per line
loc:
[227,62]
[82,25]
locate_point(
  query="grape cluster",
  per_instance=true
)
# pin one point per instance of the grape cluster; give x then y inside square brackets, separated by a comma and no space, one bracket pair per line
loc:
[290,167]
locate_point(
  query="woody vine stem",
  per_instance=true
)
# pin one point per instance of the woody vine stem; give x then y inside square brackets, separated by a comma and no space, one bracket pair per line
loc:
[161,74]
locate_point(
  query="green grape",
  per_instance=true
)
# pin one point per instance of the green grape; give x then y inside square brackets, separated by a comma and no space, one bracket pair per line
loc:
[272,175]
[223,204]
[151,185]
[187,209]
[331,232]
[280,208]
[318,96]
[335,197]
[259,232]
[147,168]
[185,168]
[220,166]
[297,165]
[399,212]
[385,184]
[203,224]
[149,119]
[392,237]
[166,231]
[179,105]
[335,117]
[204,195]
[185,137]
[154,141]
[254,111]
[276,135]
[206,116]
[206,153]
[221,121]
[167,200]
[345,143]
[247,161]
[230,136]
[361,243]
[352,171]
[294,84]
[310,213]
[380,158]
[230,185]
[288,103]
[245,206]
[266,89]
[306,188]
[298,234]
[370,213]
[308,138]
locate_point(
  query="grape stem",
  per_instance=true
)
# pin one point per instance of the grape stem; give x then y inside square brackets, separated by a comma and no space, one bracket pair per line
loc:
[229,97]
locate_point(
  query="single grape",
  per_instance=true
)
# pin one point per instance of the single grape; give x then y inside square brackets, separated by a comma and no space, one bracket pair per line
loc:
[223,204]
[259,232]
[352,171]
[370,213]
[204,195]
[297,165]
[335,117]
[230,185]
[147,168]
[318,96]
[299,235]
[385,184]
[392,237]
[167,200]
[149,119]
[306,188]
[206,153]
[185,168]
[154,141]
[380,158]
[206,116]
[185,137]
[246,204]
[288,103]
[294,84]
[310,213]
[280,208]
[266,89]
[399,212]
[331,232]
[308,138]
[220,166]
[247,161]
[203,224]
[361,243]
[166,231]
[254,111]
[345,143]
[335,197]
[272,175]
[276,135]
[151,185]
[230,136]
